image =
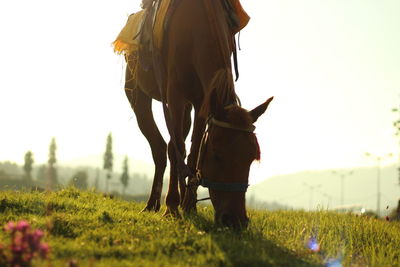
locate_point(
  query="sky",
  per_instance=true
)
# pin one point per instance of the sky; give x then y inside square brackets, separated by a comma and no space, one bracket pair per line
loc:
[332,66]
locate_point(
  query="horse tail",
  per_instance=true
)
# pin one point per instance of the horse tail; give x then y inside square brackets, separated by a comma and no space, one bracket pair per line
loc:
[220,93]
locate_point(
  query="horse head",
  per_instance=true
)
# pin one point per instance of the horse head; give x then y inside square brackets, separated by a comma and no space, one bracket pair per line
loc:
[228,148]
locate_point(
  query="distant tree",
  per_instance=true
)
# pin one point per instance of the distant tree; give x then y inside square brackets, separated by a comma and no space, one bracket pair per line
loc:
[28,166]
[41,172]
[108,159]
[125,175]
[80,180]
[51,167]
[41,175]
[396,125]
[96,180]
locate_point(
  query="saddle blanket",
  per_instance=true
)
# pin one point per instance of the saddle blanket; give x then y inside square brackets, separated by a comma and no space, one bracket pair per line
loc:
[127,41]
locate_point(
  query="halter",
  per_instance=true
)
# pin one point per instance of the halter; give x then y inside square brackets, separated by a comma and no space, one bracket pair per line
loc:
[203,181]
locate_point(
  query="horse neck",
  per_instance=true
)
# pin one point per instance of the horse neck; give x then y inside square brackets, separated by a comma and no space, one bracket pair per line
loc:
[199,28]
[216,26]
[219,29]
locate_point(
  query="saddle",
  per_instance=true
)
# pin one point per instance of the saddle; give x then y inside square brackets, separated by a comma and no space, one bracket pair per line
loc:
[144,30]
[155,22]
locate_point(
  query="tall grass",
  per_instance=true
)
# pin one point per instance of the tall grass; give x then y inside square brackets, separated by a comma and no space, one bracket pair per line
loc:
[95,230]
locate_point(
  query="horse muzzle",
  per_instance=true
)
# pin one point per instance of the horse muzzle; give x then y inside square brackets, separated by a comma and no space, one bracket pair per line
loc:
[232,221]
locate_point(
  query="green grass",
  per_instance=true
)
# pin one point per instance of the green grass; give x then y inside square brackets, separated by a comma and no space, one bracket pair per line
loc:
[98,231]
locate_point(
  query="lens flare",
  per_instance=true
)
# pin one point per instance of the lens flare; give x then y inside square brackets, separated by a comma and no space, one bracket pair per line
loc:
[313,244]
[334,263]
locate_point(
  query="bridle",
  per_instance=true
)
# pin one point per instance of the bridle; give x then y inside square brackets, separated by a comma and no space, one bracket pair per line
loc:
[199,179]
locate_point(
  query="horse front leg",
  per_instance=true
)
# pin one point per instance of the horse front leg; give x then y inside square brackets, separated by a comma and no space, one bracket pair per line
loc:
[190,200]
[176,153]
[187,122]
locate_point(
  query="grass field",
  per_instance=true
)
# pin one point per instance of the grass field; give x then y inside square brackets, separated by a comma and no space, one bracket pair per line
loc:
[94,230]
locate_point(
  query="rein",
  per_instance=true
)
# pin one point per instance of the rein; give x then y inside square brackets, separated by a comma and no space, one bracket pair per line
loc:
[207,183]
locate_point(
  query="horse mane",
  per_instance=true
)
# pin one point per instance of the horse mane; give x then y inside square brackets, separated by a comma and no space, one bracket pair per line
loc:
[221,89]
[220,93]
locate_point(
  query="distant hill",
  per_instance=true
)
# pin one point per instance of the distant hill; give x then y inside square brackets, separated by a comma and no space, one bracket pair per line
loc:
[360,188]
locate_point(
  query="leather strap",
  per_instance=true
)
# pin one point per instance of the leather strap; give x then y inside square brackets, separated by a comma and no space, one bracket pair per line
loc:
[227,187]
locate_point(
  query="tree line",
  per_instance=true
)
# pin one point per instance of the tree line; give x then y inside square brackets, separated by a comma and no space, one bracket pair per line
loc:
[48,173]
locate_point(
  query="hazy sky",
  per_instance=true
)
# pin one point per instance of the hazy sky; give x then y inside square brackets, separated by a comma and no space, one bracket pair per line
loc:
[333,67]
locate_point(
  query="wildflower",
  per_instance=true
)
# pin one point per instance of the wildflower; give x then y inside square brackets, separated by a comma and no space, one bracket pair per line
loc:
[23,226]
[34,239]
[72,263]
[25,244]
[44,250]
[10,227]
[38,234]
[18,240]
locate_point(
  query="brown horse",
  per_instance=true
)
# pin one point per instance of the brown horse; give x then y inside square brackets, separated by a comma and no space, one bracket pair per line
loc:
[196,72]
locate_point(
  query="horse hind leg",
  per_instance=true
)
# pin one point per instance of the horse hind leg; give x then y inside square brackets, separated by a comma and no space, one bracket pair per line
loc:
[141,105]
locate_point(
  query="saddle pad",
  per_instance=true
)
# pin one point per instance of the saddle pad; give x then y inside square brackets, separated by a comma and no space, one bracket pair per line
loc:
[127,41]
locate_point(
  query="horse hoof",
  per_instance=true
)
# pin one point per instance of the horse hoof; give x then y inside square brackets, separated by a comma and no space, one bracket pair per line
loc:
[171,212]
[152,206]
[189,203]
[148,208]
[189,210]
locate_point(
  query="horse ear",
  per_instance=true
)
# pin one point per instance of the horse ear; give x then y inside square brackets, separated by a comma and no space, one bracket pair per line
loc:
[258,111]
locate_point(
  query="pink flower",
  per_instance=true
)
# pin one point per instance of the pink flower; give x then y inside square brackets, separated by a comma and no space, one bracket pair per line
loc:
[17,249]
[10,227]
[38,234]
[18,240]
[28,257]
[23,226]
[44,250]
[25,244]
